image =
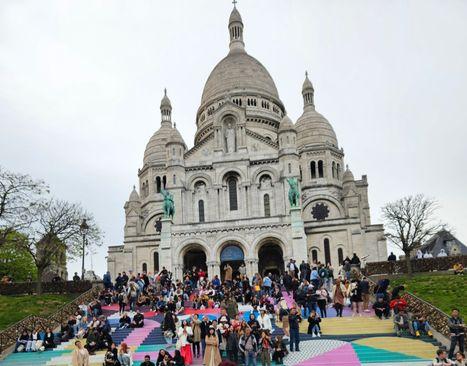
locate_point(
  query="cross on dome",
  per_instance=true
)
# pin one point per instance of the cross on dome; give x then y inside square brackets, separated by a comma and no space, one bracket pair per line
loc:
[234,2]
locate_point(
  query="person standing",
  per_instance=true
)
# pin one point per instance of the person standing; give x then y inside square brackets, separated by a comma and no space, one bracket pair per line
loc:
[294,324]
[228,273]
[365,290]
[265,344]
[338,295]
[212,356]
[80,356]
[196,328]
[249,347]
[456,329]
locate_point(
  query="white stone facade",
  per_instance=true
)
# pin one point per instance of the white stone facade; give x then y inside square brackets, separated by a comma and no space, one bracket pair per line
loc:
[230,189]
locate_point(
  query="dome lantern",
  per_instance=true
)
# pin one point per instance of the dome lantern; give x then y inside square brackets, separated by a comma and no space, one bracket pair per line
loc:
[166,109]
[236,30]
[308,92]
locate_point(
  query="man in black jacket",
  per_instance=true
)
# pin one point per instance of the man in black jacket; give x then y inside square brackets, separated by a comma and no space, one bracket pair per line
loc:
[456,329]
[294,323]
[204,327]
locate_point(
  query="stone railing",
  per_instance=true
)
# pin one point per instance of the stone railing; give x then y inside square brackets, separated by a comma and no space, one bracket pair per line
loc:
[436,317]
[21,288]
[418,265]
[9,335]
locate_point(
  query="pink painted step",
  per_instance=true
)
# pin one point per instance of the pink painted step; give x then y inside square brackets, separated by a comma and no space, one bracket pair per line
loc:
[138,335]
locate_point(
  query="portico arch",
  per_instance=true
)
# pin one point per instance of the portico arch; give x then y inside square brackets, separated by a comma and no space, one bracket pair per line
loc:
[194,255]
[270,254]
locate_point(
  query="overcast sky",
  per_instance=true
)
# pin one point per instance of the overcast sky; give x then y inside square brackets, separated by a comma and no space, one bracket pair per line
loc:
[81,82]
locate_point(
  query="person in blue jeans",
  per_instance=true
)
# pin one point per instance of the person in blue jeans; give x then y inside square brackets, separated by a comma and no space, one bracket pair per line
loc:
[249,347]
[294,324]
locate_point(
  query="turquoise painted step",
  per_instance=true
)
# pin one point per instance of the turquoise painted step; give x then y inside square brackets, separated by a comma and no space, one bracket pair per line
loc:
[371,354]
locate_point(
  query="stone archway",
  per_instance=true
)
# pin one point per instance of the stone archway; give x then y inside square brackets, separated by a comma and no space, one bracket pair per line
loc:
[194,256]
[231,254]
[270,258]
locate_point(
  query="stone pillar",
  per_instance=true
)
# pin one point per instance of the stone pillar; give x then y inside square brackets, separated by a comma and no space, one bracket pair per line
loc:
[251,267]
[299,246]
[213,269]
[178,271]
[165,253]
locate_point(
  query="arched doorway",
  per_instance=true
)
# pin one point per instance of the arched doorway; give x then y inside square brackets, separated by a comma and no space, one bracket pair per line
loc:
[270,259]
[194,257]
[234,256]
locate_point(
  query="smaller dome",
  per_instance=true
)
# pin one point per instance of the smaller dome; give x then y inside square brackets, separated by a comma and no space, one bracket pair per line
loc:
[313,129]
[155,149]
[134,196]
[175,137]
[348,176]
[235,16]
[286,124]
[165,102]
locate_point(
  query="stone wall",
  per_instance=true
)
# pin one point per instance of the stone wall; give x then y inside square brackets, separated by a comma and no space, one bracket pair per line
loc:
[418,265]
[437,318]
[21,288]
[9,335]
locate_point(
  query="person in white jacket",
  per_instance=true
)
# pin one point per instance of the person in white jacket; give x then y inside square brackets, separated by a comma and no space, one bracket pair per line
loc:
[264,321]
[183,345]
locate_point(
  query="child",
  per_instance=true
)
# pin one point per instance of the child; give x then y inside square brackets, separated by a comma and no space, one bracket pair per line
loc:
[313,324]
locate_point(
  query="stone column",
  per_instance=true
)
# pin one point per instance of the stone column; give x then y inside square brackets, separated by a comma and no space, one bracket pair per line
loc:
[178,271]
[251,267]
[213,269]
[299,246]
[165,252]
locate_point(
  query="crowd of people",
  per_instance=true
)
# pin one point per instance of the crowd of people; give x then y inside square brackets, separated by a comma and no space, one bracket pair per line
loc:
[303,294]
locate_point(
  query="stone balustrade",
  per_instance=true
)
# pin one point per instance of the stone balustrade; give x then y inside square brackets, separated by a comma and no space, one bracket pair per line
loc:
[418,265]
[21,288]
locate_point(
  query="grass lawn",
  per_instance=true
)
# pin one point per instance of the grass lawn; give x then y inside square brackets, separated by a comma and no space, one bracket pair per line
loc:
[444,291]
[15,308]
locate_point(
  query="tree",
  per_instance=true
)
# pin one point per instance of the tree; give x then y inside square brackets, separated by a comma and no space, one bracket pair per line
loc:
[409,221]
[56,232]
[16,262]
[20,197]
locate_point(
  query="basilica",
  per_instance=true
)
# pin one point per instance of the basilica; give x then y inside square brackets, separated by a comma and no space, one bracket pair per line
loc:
[230,190]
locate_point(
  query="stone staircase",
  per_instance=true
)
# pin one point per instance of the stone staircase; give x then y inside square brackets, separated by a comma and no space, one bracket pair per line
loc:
[346,341]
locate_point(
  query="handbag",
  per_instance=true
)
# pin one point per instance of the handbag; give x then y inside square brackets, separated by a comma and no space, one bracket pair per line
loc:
[190,339]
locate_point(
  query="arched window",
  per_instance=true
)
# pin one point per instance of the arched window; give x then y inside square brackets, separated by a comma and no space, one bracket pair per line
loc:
[156,262]
[334,175]
[340,256]
[173,151]
[158,184]
[314,256]
[145,267]
[290,168]
[267,206]
[327,251]
[164,182]
[301,177]
[338,171]
[232,183]
[174,179]
[201,210]
[320,169]
[313,170]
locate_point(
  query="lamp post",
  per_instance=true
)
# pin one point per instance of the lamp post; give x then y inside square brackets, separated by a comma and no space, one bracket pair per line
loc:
[84,227]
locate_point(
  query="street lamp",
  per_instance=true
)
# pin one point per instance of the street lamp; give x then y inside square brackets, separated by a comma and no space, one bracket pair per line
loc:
[84,227]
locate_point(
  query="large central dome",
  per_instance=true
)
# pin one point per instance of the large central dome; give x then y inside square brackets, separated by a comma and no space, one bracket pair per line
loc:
[238,72]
